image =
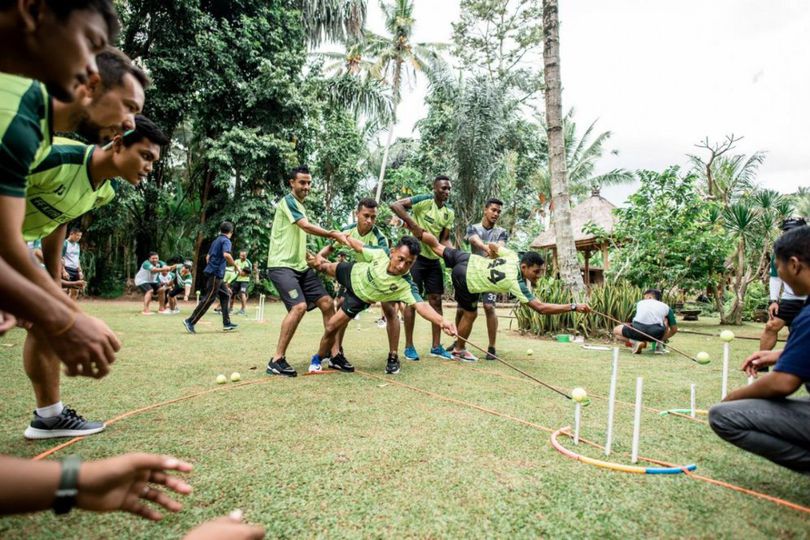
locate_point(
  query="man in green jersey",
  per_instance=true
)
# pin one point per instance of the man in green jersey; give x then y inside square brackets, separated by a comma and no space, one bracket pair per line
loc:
[239,287]
[298,285]
[366,231]
[504,274]
[428,212]
[71,260]
[382,277]
[72,180]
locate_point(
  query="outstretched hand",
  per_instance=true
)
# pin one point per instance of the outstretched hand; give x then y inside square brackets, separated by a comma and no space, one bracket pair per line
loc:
[449,328]
[123,483]
[492,250]
[759,360]
[583,308]
[229,526]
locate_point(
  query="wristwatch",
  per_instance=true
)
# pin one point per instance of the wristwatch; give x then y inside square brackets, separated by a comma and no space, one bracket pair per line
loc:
[65,498]
[573,307]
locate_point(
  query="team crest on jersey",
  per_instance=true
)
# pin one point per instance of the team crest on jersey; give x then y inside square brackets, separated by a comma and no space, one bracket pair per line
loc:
[293,294]
[393,287]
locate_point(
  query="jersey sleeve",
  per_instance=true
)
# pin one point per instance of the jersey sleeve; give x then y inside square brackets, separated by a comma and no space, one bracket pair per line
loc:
[373,253]
[382,241]
[420,204]
[226,246]
[470,232]
[520,289]
[21,138]
[291,208]
[410,295]
[503,236]
[671,318]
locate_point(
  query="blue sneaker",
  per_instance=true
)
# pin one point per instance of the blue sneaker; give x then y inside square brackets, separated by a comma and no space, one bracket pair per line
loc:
[441,352]
[189,326]
[315,364]
[411,354]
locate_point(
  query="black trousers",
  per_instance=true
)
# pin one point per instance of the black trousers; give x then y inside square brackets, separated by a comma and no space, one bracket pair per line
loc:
[214,286]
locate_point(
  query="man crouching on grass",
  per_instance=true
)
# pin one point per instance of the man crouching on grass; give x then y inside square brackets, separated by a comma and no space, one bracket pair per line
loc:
[384,279]
[759,417]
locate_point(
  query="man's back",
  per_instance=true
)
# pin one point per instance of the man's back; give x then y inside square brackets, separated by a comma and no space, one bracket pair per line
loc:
[650,311]
[216,258]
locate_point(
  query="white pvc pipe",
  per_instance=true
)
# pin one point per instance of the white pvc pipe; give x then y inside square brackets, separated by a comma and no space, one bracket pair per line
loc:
[724,389]
[692,400]
[577,419]
[614,372]
[198,297]
[637,420]
[750,379]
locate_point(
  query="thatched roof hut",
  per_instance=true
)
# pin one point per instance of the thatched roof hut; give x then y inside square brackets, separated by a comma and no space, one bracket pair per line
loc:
[595,209]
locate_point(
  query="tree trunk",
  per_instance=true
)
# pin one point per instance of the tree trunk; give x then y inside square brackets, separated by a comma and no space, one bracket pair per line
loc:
[396,81]
[198,241]
[566,249]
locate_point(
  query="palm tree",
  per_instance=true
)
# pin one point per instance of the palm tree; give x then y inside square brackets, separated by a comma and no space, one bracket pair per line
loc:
[397,58]
[581,156]
[332,20]
[568,262]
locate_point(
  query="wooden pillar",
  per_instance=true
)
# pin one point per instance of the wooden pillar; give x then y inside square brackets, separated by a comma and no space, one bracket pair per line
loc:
[587,267]
[605,262]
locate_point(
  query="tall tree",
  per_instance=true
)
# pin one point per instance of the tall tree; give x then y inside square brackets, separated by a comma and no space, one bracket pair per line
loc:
[566,249]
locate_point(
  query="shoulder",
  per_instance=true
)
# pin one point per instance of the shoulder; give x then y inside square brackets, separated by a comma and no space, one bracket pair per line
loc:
[421,198]
[61,155]
[349,227]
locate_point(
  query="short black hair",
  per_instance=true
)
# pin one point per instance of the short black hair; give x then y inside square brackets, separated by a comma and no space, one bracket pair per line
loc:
[532,258]
[113,65]
[75,230]
[440,178]
[794,243]
[226,227]
[152,254]
[792,223]
[491,201]
[301,169]
[62,9]
[367,202]
[655,292]
[411,243]
[145,129]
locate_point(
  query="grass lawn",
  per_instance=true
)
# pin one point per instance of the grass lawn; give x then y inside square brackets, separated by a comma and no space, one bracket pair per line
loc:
[360,456]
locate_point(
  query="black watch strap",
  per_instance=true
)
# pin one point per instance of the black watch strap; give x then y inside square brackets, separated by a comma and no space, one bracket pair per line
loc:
[65,497]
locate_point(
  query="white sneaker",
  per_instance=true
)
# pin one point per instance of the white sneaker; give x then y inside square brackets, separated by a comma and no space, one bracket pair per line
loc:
[315,367]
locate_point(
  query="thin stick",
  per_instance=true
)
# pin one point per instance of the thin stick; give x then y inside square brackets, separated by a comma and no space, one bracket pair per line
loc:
[715,335]
[692,400]
[724,387]
[614,372]
[198,297]
[507,364]
[637,420]
[577,419]
[643,334]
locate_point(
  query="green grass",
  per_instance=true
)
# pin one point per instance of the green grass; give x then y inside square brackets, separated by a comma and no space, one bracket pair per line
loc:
[352,456]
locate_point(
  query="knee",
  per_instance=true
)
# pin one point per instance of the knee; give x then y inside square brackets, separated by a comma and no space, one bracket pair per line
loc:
[389,310]
[298,310]
[720,418]
[773,326]
[489,310]
[470,315]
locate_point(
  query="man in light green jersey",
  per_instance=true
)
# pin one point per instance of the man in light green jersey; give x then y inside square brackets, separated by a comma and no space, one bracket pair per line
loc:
[72,180]
[428,212]
[366,231]
[298,285]
[239,287]
[382,277]
[503,274]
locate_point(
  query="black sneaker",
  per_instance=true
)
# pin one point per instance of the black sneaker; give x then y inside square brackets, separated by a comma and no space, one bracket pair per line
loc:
[189,326]
[280,367]
[392,367]
[230,327]
[491,353]
[66,424]
[339,362]
[217,310]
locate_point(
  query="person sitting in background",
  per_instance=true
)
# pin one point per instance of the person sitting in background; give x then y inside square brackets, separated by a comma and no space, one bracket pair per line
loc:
[651,318]
[147,280]
[166,284]
[180,285]
[759,417]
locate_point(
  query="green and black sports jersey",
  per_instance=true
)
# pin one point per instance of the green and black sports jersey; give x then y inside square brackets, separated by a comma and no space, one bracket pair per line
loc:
[372,282]
[373,239]
[500,275]
[430,217]
[240,265]
[60,190]
[25,131]
[288,241]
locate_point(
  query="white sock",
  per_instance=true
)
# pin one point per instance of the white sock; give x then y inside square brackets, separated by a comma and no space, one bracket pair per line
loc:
[51,410]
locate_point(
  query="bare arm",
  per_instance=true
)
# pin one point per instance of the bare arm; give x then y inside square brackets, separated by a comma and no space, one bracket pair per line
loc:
[400,208]
[476,243]
[229,258]
[311,228]
[52,252]
[444,238]
[428,313]
[555,309]
[776,384]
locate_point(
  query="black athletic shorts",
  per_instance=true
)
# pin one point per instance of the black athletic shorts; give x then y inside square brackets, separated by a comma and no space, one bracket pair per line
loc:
[655,330]
[489,298]
[146,287]
[239,287]
[788,310]
[296,287]
[457,260]
[352,305]
[428,276]
[73,274]
[176,291]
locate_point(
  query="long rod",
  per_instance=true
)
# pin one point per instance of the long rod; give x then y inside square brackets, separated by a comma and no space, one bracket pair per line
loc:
[692,400]
[507,364]
[724,387]
[614,373]
[577,420]
[614,319]
[637,421]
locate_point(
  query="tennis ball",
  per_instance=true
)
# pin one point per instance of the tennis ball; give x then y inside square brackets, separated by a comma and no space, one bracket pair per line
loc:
[702,358]
[726,335]
[221,379]
[235,377]
[579,394]
[529,352]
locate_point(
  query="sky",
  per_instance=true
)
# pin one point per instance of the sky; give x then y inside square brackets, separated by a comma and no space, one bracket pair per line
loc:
[663,75]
